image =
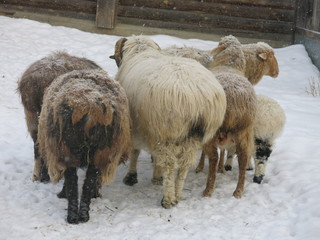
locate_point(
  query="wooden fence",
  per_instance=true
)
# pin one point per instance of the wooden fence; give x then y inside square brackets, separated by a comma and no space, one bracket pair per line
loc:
[308,27]
[270,19]
[265,19]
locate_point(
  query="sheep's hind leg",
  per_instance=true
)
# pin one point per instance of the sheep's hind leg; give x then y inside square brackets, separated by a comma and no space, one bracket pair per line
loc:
[186,159]
[132,177]
[244,145]
[96,194]
[263,151]
[169,198]
[200,166]
[71,187]
[40,171]
[212,152]
[88,190]
[157,178]
[221,161]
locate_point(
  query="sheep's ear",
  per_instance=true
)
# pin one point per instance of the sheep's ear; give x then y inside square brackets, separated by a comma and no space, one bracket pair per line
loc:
[217,50]
[118,51]
[263,56]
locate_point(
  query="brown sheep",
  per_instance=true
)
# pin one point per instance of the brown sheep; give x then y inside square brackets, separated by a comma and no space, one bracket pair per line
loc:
[31,87]
[240,113]
[84,122]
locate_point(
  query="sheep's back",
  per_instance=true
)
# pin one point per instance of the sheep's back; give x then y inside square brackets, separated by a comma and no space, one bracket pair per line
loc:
[241,101]
[41,73]
[270,119]
[202,56]
[171,98]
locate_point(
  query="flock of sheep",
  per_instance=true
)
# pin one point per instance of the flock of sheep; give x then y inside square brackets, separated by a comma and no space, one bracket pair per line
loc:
[170,102]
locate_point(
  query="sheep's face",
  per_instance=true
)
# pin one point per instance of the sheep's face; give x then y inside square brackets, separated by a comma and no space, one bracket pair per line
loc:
[270,63]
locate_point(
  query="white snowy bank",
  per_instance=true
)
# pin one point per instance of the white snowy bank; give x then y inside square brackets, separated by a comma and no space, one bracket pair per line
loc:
[285,206]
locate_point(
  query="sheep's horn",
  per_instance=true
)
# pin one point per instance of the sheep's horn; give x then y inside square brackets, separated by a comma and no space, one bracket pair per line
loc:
[118,50]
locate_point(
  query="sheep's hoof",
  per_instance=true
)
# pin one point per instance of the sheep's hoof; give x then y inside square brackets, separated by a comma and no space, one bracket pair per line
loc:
[73,218]
[130,179]
[199,169]
[97,194]
[35,178]
[157,180]
[168,204]
[228,167]
[258,179]
[249,169]
[83,216]
[221,170]
[207,193]
[44,176]
[62,194]
[237,194]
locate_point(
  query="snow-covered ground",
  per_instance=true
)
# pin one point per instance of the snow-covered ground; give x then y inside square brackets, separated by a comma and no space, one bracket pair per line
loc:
[285,206]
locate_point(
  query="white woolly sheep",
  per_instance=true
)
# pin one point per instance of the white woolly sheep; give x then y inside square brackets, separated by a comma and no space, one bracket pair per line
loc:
[84,122]
[228,64]
[31,87]
[268,125]
[176,106]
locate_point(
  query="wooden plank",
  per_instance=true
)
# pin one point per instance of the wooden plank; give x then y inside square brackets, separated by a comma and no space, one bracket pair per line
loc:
[234,10]
[286,4]
[202,20]
[271,3]
[316,16]
[77,15]
[106,13]
[86,6]
[309,33]
[207,29]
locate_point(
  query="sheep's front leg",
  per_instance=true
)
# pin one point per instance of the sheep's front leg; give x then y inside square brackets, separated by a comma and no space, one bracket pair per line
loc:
[132,178]
[200,166]
[263,151]
[169,199]
[71,182]
[212,152]
[88,191]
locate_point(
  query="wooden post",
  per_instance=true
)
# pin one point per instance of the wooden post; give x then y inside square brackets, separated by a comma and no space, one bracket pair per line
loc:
[106,13]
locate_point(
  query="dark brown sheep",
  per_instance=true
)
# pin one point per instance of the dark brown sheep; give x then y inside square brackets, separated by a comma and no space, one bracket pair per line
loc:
[31,87]
[84,122]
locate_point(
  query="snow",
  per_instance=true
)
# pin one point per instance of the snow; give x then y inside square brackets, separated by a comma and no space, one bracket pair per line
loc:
[285,206]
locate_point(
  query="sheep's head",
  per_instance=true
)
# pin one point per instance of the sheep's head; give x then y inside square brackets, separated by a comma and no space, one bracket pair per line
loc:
[229,53]
[118,53]
[131,46]
[265,53]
